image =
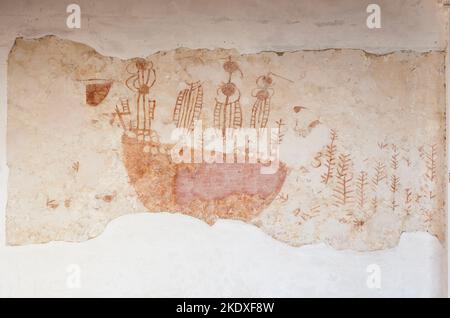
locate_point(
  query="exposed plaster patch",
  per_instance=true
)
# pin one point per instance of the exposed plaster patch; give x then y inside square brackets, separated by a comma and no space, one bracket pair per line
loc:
[354,172]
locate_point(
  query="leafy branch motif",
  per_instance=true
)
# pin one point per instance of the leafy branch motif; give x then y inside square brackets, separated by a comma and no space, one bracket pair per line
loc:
[427,215]
[374,205]
[430,162]
[380,174]
[343,192]
[394,187]
[394,158]
[408,201]
[330,158]
[395,180]
[280,124]
[361,185]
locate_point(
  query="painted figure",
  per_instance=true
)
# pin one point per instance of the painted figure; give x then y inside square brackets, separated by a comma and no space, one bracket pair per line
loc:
[227,111]
[188,106]
[142,79]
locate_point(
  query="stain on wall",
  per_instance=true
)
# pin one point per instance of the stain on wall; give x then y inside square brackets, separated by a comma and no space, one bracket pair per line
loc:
[96,92]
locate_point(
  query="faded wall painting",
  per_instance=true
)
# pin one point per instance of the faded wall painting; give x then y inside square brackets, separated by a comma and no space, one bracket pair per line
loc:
[334,146]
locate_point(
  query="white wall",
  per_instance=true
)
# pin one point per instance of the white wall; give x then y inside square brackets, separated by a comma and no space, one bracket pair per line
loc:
[175,255]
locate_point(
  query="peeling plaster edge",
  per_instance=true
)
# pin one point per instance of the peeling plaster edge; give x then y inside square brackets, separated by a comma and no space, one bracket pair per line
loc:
[366,51]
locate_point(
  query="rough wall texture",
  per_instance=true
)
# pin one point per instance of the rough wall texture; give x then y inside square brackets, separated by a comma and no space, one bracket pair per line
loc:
[360,137]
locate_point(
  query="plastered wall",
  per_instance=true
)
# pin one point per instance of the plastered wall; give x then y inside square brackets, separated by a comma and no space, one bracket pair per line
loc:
[174,255]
